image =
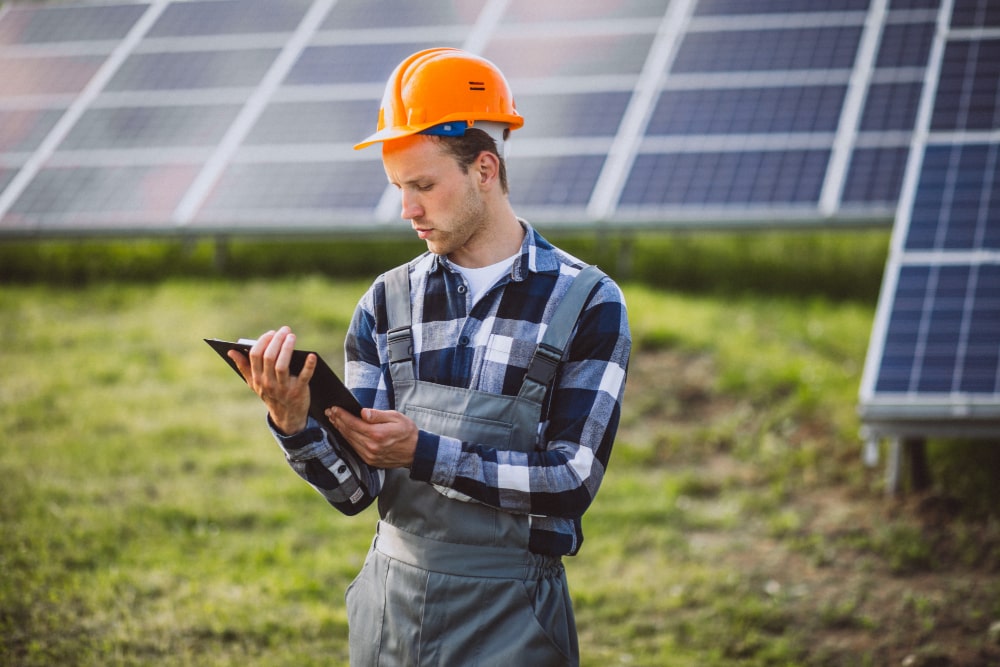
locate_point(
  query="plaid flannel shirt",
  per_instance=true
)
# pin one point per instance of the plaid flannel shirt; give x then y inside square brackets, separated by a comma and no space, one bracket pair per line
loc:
[488,346]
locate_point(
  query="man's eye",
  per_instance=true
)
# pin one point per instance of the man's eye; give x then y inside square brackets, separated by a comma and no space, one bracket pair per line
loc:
[425,187]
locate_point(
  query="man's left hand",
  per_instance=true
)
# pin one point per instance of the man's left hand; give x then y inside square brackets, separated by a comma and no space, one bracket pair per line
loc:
[382,438]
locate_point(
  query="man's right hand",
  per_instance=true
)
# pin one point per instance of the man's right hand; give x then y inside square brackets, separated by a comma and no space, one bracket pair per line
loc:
[266,371]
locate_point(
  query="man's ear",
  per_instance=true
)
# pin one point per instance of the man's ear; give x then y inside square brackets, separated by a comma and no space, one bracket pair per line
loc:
[487,168]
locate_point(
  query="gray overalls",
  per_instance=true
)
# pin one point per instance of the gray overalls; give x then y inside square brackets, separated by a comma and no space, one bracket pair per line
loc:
[450,581]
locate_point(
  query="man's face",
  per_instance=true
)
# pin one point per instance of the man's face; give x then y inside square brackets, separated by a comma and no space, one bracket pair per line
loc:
[444,205]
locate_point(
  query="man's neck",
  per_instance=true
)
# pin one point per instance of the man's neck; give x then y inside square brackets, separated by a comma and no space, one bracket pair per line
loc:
[504,240]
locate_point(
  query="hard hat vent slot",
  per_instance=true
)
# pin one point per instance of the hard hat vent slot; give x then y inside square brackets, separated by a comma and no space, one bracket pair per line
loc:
[477,85]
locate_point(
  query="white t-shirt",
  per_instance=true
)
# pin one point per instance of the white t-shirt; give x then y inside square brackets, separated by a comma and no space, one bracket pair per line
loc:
[482,279]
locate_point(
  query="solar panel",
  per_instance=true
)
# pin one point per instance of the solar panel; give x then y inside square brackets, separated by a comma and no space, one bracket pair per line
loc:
[933,365]
[638,112]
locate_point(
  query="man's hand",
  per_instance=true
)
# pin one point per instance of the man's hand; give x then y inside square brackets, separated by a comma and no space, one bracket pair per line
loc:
[286,396]
[382,438]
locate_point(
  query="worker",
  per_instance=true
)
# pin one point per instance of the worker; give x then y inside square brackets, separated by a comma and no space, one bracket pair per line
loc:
[491,369]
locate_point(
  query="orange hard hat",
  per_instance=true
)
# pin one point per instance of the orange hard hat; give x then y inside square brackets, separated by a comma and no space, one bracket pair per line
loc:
[443,91]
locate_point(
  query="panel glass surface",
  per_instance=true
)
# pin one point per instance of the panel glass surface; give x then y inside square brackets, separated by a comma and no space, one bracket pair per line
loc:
[24,129]
[533,11]
[975,14]
[935,342]
[571,115]
[572,55]
[105,196]
[724,7]
[832,47]
[957,203]
[398,13]
[967,91]
[565,181]
[228,17]
[306,186]
[706,179]
[314,122]
[150,127]
[356,63]
[905,45]
[193,70]
[46,75]
[891,106]
[779,109]
[50,24]
[875,175]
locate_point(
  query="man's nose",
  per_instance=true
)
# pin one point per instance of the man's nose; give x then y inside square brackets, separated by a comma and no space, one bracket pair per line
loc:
[410,207]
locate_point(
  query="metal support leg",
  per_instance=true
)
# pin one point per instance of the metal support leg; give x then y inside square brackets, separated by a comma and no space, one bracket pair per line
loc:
[907,454]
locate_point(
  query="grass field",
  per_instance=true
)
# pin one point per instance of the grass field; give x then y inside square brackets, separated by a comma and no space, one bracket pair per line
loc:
[148,519]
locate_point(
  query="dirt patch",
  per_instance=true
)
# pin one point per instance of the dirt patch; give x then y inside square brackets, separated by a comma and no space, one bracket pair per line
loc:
[865,577]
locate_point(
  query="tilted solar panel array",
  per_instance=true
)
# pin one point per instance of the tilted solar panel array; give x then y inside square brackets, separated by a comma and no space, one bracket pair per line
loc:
[934,360]
[204,116]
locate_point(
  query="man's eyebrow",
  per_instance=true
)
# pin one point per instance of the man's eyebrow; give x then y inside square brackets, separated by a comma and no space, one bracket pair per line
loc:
[416,180]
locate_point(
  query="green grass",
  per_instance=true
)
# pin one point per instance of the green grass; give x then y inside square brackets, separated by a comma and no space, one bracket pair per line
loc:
[148,519]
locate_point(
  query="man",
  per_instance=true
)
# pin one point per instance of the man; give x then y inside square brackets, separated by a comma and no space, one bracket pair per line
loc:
[492,392]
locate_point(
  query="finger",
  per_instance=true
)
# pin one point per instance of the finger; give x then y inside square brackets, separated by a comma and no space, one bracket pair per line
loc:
[242,364]
[257,354]
[270,357]
[283,362]
[308,368]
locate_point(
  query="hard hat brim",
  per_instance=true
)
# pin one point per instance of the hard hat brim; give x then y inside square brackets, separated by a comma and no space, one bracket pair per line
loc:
[388,134]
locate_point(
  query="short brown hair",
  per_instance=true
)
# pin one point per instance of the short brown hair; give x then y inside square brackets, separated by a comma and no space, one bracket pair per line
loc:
[466,148]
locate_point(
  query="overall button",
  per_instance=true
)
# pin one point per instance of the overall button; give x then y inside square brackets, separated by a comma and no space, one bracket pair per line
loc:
[462,289]
[463,341]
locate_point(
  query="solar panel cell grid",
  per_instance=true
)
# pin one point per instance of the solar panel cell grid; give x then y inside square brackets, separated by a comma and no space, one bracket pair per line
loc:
[780,109]
[905,45]
[358,63]
[554,181]
[304,186]
[533,11]
[975,14]
[831,47]
[314,122]
[967,96]
[875,175]
[142,127]
[752,177]
[955,206]
[722,7]
[569,55]
[61,194]
[193,70]
[225,17]
[48,25]
[24,129]
[891,106]
[355,14]
[46,75]
[571,115]
[914,4]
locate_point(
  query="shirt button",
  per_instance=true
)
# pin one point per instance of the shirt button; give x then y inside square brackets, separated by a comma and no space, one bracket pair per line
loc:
[462,289]
[464,340]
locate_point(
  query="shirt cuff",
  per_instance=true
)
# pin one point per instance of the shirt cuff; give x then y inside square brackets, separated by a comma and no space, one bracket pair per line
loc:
[310,435]
[424,457]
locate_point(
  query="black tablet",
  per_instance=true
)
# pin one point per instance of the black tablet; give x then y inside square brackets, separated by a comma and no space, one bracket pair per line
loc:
[325,388]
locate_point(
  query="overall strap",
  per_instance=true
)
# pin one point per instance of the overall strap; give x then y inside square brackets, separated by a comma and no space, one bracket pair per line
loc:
[399,338]
[548,355]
